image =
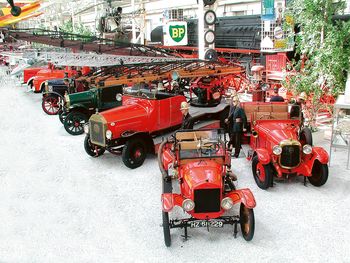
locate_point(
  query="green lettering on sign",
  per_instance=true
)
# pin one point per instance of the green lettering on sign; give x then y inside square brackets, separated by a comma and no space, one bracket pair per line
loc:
[177,33]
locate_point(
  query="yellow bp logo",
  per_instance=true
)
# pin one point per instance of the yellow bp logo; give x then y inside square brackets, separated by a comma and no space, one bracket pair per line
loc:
[177,33]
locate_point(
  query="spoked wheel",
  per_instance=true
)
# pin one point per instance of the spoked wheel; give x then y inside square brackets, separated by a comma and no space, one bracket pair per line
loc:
[167,188]
[74,123]
[262,173]
[134,153]
[247,221]
[62,116]
[50,105]
[91,149]
[319,174]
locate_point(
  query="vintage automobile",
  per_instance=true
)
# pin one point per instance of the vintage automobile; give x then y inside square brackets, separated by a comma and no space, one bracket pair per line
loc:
[200,163]
[281,147]
[132,126]
[29,74]
[50,73]
[78,107]
[55,89]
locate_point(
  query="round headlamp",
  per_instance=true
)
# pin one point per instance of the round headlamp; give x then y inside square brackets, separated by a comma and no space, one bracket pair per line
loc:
[46,83]
[227,203]
[307,149]
[86,128]
[109,134]
[277,149]
[188,205]
[119,97]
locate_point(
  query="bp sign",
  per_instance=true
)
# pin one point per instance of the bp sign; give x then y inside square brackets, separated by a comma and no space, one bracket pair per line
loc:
[175,33]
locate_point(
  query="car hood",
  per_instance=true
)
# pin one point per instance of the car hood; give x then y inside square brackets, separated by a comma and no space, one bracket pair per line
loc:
[81,97]
[131,109]
[202,172]
[55,82]
[278,131]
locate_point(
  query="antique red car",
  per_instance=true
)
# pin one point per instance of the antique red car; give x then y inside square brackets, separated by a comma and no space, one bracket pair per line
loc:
[132,127]
[280,147]
[50,73]
[29,74]
[200,163]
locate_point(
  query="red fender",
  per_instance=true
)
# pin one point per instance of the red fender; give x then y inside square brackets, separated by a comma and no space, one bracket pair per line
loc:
[170,200]
[263,155]
[244,196]
[167,158]
[320,154]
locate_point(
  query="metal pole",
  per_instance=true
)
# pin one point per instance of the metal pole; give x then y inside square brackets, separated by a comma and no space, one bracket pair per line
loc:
[200,29]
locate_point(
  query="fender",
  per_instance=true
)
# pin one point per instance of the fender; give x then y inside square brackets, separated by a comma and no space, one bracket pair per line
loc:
[31,79]
[263,155]
[319,154]
[244,196]
[78,106]
[53,93]
[167,158]
[170,200]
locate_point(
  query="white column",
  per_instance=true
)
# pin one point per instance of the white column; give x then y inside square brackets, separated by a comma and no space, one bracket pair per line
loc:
[200,29]
[133,22]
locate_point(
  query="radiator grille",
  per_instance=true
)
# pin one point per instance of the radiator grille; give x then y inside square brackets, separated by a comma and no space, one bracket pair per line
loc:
[207,200]
[97,132]
[290,156]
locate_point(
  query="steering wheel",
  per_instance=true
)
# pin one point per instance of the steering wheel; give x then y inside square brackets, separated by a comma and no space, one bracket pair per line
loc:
[210,147]
[144,95]
[268,117]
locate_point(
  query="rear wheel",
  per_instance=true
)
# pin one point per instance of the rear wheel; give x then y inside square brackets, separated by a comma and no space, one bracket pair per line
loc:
[262,173]
[134,153]
[50,105]
[247,222]
[74,123]
[319,174]
[91,149]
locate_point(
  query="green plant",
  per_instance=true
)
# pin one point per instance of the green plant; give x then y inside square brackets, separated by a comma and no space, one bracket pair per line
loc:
[323,45]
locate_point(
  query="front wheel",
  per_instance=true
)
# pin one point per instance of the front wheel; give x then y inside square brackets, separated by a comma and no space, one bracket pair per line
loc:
[50,105]
[262,173]
[62,116]
[134,153]
[167,188]
[319,174]
[74,123]
[247,222]
[305,136]
[91,149]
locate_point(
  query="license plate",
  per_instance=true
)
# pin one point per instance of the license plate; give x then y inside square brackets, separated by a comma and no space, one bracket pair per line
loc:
[204,223]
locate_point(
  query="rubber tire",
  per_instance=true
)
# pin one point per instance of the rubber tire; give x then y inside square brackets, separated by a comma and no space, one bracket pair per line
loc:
[89,150]
[268,174]
[167,188]
[61,116]
[319,174]
[128,150]
[209,2]
[43,104]
[30,85]
[250,234]
[305,136]
[16,11]
[70,116]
